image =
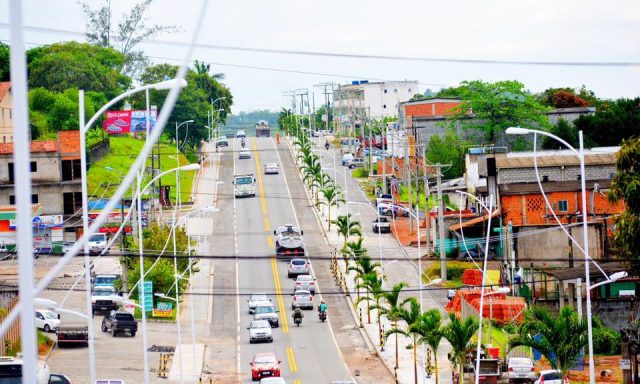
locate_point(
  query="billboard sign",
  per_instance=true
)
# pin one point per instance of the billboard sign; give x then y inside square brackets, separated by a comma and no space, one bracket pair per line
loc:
[122,122]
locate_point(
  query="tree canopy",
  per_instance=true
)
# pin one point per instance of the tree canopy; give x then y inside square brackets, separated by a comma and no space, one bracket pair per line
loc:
[4,62]
[493,107]
[447,149]
[612,123]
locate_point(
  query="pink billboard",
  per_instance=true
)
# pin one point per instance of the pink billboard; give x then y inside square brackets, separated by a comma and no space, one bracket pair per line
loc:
[119,122]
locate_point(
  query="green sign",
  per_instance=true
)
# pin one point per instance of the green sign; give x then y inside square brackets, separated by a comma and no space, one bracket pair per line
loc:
[148,296]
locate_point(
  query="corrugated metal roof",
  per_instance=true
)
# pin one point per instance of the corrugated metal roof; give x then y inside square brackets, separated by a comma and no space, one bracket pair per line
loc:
[553,159]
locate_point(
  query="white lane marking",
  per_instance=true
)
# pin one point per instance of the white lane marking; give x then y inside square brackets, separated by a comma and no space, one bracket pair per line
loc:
[333,336]
[235,234]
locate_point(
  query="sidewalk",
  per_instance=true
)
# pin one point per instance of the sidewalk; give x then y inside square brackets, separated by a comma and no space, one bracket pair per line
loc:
[397,270]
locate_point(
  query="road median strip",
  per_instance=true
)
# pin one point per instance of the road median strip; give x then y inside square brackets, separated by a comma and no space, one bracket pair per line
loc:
[292,360]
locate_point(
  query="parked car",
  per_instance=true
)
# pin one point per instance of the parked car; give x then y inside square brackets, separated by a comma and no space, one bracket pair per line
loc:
[520,370]
[298,267]
[58,378]
[551,376]
[104,298]
[302,299]
[264,365]
[258,299]
[97,243]
[381,225]
[269,313]
[119,322]
[47,321]
[222,142]
[260,330]
[346,158]
[305,283]
[271,169]
[244,154]
[384,198]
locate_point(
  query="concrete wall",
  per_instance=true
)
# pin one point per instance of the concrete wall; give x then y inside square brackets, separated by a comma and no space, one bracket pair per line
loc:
[99,151]
[614,314]
[546,244]
[566,173]
[48,167]
[6,119]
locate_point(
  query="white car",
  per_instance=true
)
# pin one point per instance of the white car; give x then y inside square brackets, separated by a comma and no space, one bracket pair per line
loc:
[272,380]
[46,320]
[222,142]
[298,267]
[551,376]
[520,369]
[271,169]
[260,330]
[240,134]
[302,299]
[305,283]
[346,158]
[244,154]
[97,243]
[258,299]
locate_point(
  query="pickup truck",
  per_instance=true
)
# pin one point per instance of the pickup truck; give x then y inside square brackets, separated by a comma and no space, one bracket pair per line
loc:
[104,299]
[381,225]
[73,334]
[119,322]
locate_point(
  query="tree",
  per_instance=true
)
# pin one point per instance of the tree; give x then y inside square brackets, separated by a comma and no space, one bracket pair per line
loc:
[201,68]
[611,124]
[390,307]
[459,333]
[429,328]
[560,339]
[564,130]
[411,317]
[447,149]
[332,197]
[362,266]
[561,98]
[4,62]
[130,31]
[372,283]
[626,187]
[347,227]
[68,65]
[493,107]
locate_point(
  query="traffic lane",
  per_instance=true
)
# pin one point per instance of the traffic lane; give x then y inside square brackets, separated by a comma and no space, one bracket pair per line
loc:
[318,358]
[256,273]
[221,334]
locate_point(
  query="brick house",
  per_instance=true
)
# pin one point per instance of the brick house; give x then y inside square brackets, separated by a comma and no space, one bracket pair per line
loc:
[6,116]
[56,185]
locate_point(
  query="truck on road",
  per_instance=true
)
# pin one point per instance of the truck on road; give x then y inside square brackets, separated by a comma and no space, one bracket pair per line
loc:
[244,185]
[119,322]
[73,334]
[289,242]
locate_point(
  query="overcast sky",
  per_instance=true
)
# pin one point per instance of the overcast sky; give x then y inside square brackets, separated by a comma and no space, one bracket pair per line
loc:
[576,30]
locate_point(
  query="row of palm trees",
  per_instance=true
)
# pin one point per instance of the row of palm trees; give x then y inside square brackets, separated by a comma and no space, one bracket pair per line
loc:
[559,339]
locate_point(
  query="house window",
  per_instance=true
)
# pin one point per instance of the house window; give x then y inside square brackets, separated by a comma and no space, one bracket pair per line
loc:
[71,170]
[11,174]
[12,199]
[563,205]
[34,166]
[72,202]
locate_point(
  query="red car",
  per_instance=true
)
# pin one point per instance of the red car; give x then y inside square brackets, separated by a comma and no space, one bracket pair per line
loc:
[264,365]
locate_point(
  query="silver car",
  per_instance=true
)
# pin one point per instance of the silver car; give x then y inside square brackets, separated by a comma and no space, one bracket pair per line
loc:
[271,169]
[257,299]
[302,299]
[260,330]
[267,312]
[305,283]
[520,370]
[297,267]
[244,154]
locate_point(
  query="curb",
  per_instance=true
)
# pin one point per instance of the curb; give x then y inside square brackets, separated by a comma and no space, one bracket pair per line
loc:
[365,335]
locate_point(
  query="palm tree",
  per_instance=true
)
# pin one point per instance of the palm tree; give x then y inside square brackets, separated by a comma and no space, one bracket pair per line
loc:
[459,334]
[347,227]
[560,338]
[332,198]
[391,306]
[372,283]
[429,329]
[363,266]
[411,317]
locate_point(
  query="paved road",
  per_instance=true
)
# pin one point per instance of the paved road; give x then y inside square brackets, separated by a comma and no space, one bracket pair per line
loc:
[244,227]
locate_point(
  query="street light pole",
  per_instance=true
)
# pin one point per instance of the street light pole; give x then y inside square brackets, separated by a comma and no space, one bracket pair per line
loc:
[178,192]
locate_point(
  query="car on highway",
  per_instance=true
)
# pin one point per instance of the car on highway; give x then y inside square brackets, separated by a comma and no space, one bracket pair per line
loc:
[520,370]
[47,321]
[269,313]
[305,283]
[264,365]
[260,330]
[271,169]
[298,267]
[240,134]
[272,380]
[244,154]
[302,299]
[222,142]
[258,299]
[551,376]
[289,241]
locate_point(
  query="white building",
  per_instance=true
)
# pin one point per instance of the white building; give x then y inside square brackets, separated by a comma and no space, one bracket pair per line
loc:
[374,100]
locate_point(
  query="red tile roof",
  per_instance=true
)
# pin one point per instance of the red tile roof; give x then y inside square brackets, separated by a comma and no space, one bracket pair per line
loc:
[36,146]
[69,142]
[4,89]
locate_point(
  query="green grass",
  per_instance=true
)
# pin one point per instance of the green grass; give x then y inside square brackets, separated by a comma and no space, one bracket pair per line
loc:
[123,153]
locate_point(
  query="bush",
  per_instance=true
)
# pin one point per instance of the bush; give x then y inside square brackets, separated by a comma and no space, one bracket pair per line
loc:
[605,341]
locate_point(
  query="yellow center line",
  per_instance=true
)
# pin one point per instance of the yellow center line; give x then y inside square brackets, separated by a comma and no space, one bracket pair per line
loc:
[267,225]
[292,360]
[297,381]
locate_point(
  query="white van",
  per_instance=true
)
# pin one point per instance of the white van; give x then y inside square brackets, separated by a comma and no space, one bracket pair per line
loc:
[244,185]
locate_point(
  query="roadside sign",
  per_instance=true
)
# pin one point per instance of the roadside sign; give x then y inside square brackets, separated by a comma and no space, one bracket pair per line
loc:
[129,306]
[148,296]
[625,364]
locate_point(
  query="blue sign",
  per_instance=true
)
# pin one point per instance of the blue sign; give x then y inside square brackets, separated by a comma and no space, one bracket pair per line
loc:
[147,286]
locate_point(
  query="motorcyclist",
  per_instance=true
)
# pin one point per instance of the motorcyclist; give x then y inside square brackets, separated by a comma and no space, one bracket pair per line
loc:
[326,144]
[242,142]
[297,314]
[322,307]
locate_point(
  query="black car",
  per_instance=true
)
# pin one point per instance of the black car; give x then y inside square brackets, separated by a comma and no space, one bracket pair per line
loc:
[57,378]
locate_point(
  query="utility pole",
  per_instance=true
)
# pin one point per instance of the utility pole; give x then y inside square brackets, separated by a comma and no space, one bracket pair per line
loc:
[426,203]
[443,253]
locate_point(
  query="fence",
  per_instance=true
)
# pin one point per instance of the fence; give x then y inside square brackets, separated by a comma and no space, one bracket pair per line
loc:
[12,337]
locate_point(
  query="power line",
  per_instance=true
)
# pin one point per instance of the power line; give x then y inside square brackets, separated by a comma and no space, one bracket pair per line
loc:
[359,55]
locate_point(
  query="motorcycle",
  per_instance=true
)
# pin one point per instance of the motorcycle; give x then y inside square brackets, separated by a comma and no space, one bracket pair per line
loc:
[242,143]
[326,146]
[297,321]
[322,316]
